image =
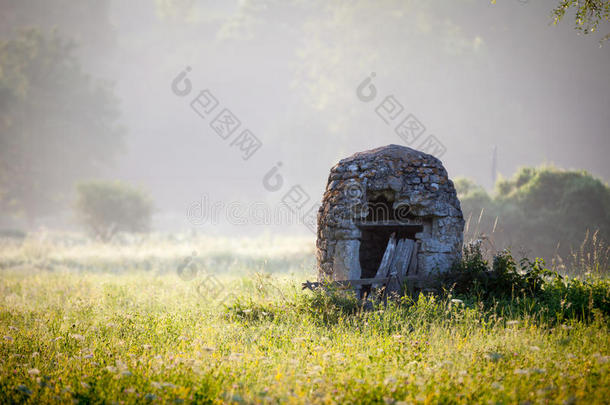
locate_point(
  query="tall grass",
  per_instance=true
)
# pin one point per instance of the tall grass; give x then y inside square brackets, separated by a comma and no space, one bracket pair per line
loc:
[73,328]
[142,337]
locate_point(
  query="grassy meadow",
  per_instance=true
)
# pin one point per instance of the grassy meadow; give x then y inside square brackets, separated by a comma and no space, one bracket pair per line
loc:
[176,319]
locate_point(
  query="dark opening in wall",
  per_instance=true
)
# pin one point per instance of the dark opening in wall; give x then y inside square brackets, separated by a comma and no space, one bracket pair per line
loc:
[374,241]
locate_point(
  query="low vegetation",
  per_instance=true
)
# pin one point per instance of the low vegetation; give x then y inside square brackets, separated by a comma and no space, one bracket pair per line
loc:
[540,212]
[105,208]
[90,336]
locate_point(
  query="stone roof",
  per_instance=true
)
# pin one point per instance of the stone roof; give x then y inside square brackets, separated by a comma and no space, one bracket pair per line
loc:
[393,152]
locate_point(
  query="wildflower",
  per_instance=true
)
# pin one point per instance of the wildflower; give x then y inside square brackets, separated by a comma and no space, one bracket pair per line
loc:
[11,327]
[126,373]
[511,323]
[316,369]
[235,356]
[112,369]
[389,380]
[129,390]
[497,386]
[33,371]
[8,338]
[398,338]
[76,336]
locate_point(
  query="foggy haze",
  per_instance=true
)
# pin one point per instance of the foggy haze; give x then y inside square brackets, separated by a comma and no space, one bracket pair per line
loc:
[476,75]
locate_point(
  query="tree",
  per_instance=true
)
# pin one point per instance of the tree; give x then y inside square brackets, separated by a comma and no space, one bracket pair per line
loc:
[545,210]
[56,123]
[105,208]
[589,14]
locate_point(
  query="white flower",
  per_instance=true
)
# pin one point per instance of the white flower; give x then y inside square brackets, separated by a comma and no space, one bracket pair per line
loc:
[235,356]
[390,380]
[33,371]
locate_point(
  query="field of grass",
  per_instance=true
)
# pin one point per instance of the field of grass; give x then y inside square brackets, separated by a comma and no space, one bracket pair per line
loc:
[88,323]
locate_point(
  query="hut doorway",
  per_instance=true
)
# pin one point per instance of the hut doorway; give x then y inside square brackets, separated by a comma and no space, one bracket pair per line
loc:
[374,242]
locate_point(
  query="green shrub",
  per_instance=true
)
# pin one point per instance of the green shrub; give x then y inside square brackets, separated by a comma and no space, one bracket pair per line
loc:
[527,288]
[472,276]
[105,208]
[328,304]
[545,210]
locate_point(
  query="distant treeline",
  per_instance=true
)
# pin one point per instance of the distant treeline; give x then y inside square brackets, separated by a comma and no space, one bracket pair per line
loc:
[541,211]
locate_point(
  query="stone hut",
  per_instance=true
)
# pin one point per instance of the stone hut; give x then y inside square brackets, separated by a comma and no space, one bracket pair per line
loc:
[378,195]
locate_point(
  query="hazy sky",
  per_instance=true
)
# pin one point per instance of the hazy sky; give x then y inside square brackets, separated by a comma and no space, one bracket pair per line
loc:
[475,75]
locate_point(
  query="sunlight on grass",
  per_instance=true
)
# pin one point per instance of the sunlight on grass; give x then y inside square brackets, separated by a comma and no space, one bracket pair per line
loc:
[149,335]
